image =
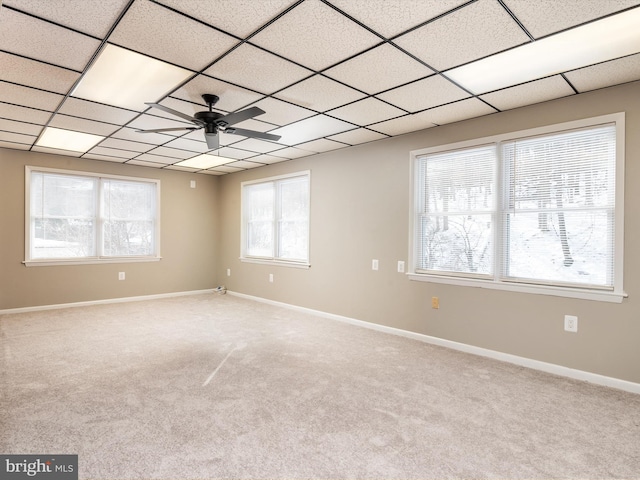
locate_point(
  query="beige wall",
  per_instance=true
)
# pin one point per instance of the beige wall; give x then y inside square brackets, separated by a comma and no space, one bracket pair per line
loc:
[188,239]
[360,210]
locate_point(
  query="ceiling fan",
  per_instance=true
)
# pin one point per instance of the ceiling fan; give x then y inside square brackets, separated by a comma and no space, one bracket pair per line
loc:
[214,122]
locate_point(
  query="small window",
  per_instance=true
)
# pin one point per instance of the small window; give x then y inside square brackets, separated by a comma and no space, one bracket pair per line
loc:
[275,220]
[537,211]
[75,217]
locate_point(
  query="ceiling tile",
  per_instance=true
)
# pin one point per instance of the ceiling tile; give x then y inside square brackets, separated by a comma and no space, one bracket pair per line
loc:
[370,71]
[145,29]
[308,35]
[310,129]
[281,113]
[126,145]
[45,41]
[390,18]
[319,93]
[256,69]
[529,93]
[183,169]
[14,146]
[105,158]
[232,97]
[142,163]
[225,169]
[364,112]
[455,112]
[95,111]
[189,145]
[20,127]
[406,124]
[237,18]
[544,17]
[55,151]
[93,18]
[321,145]
[423,94]
[151,122]
[113,152]
[258,146]
[29,97]
[269,159]
[147,157]
[82,125]
[606,74]
[475,31]
[357,136]
[234,153]
[36,74]
[172,152]
[153,138]
[293,152]
[24,114]
[17,137]
[245,164]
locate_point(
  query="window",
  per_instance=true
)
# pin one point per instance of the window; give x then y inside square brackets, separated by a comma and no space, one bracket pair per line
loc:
[275,220]
[76,217]
[538,211]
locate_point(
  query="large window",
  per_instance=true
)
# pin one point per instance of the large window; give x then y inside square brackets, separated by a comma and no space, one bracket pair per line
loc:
[275,220]
[83,217]
[538,211]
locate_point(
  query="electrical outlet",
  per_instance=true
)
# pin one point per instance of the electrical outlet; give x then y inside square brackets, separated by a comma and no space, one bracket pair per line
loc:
[192,184]
[271,277]
[400,266]
[374,264]
[121,276]
[228,272]
[571,323]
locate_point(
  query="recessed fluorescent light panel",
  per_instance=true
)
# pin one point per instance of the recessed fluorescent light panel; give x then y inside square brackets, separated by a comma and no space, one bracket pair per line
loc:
[205,161]
[68,140]
[606,39]
[127,79]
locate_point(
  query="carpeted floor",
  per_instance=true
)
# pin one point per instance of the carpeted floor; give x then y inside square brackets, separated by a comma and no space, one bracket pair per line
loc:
[212,386]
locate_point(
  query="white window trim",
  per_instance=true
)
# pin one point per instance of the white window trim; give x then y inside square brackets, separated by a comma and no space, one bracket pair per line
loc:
[47,262]
[271,260]
[588,293]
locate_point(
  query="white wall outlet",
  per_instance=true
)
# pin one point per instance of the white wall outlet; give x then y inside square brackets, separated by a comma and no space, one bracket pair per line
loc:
[271,277]
[400,266]
[121,276]
[228,272]
[571,323]
[192,184]
[374,264]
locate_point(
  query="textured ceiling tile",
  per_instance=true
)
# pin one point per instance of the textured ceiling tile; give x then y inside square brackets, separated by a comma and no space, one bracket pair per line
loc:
[237,18]
[126,145]
[147,157]
[14,146]
[529,93]
[245,164]
[113,152]
[544,17]
[319,93]
[390,18]
[36,74]
[56,151]
[17,138]
[472,32]
[45,41]
[364,112]
[153,138]
[606,74]
[188,144]
[24,114]
[423,94]
[379,69]
[258,146]
[231,97]
[357,136]
[406,124]
[311,34]
[281,113]
[95,111]
[143,163]
[145,29]
[230,152]
[256,69]
[321,145]
[310,129]
[172,152]
[150,122]
[29,97]
[454,112]
[20,127]
[93,18]
[82,125]
[225,169]
[268,159]
[104,158]
[293,152]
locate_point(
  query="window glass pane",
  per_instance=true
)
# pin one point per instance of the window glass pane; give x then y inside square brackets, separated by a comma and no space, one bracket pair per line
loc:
[293,226]
[259,211]
[128,212]
[62,216]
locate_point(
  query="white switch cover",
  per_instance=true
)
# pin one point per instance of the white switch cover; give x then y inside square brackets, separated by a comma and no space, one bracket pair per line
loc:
[193,184]
[271,277]
[374,264]
[120,275]
[400,266]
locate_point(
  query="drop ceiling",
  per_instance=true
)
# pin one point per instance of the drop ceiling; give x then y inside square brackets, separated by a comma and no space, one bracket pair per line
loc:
[329,74]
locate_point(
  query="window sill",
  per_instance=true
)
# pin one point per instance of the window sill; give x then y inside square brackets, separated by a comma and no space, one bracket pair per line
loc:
[88,261]
[281,263]
[596,295]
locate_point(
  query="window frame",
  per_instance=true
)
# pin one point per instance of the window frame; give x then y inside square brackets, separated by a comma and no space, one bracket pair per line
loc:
[98,258]
[244,257]
[497,281]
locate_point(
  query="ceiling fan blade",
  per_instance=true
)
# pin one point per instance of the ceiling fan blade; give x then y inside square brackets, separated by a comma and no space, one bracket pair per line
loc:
[252,134]
[155,130]
[238,117]
[184,116]
[213,140]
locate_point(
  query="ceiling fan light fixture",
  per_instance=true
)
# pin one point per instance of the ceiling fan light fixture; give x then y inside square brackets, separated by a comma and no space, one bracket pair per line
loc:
[123,78]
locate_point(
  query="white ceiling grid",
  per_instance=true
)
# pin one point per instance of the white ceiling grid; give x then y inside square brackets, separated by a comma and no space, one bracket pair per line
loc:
[328,73]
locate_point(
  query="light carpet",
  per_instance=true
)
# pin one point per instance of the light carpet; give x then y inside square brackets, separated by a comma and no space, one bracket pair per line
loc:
[213,386]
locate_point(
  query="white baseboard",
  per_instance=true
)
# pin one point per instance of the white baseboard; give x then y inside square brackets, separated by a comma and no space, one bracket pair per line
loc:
[483,352]
[105,301]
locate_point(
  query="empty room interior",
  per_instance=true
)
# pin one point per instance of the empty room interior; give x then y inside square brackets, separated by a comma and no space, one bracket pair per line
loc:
[320,238]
